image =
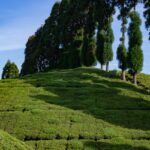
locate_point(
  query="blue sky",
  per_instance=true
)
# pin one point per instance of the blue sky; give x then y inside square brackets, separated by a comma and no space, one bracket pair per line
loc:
[18,20]
[21,18]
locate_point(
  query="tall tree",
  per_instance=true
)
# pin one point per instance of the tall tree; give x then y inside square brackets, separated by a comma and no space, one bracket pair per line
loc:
[100,47]
[109,44]
[50,42]
[89,42]
[135,54]
[76,30]
[105,39]
[122,58]
[76,49]
[42,49]
[31,54]
[147,14]
[69,32]
[121,51]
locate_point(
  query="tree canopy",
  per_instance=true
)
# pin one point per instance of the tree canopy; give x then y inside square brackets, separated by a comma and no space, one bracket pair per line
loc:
[135,54]
[10,71]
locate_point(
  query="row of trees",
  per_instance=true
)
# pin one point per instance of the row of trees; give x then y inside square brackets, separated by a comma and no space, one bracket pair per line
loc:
[79,33]
[133,58]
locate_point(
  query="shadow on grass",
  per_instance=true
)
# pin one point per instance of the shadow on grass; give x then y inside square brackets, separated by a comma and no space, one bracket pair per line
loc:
[100,98]
[108,146]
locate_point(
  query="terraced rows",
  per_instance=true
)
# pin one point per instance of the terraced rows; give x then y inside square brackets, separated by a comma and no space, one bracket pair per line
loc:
[75,109]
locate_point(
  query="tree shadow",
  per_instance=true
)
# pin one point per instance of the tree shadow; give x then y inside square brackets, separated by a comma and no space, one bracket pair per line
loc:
[82,74]
[108,146]
[100,98]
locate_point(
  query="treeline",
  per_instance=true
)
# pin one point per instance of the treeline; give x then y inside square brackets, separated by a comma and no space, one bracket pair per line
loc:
[79,33]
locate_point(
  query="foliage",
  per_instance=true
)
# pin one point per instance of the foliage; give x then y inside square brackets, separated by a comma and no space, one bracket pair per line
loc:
[73,21]
[76,49]
[29,66]
[135,54]
[89,42]
[105,39]
[122,57]
[42,49]
[147,14]
[10,71]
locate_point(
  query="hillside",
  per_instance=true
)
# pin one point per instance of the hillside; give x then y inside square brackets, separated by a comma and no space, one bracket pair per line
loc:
[80,109]
[8,142]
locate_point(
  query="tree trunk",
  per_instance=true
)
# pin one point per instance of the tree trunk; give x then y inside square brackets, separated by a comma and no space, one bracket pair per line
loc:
[123,76]
[134,79]
[107,66]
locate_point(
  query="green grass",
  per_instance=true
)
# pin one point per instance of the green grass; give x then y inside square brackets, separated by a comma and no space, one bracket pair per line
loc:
[76,109]
[144,80]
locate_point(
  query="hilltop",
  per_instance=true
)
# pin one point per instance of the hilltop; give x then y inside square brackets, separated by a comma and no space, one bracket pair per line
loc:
[76,109]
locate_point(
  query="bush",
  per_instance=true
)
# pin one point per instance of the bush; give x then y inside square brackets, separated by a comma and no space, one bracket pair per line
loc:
[10,71]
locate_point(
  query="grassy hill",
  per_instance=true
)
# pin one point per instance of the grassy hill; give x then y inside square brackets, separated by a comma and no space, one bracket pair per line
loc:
[7,142]
[80,109]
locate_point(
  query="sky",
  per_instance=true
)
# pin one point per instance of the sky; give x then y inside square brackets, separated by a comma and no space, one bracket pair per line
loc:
[19,19]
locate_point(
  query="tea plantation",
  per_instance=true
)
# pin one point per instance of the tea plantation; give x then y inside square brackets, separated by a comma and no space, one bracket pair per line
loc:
[76,109]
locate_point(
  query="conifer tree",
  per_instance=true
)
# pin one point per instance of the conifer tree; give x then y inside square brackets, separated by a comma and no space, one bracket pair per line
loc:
[31,54]
[76,49]
[89,42]
[42,51]
[105,38]
[50,36]
[67,32]
[121,51]
[122,58]
[76,36]
[147,14]
[135,54]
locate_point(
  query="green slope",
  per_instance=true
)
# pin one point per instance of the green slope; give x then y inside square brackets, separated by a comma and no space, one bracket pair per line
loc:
[8,142]
[76,109]
[144,80]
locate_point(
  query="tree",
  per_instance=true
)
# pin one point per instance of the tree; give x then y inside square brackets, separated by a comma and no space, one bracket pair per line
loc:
[89,42]
[42,51]
[100,47]
[105,39]
[135,54]
[67,39]
[10,71]
[88,51]
[147,14]
[51,36]
[30,64]
[121,51]
[122,58]
[71,37]
[47,49]
[76,49]
[109,43]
